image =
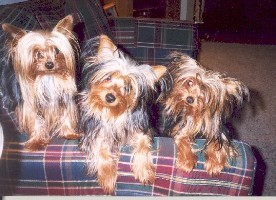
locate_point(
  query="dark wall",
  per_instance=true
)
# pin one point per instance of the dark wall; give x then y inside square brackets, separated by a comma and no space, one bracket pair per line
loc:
[240,14]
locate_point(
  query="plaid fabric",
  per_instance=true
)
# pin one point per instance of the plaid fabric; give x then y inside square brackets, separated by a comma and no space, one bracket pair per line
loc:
[20,15]
[89,18]
[147,40]
[60,170]
[152,40]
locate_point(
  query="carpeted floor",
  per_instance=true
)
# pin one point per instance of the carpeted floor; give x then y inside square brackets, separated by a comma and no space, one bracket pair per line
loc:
[254,65]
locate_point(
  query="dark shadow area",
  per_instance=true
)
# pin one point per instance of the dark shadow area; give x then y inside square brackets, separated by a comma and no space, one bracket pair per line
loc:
[255,105]
[240,21]
[79,30]
[260,173]
[256,102]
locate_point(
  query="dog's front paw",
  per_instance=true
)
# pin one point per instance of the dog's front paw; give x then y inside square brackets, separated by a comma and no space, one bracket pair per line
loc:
[35,144]
[143,168]
[107,167]
[186,162]
[214,167]
[216,159]
[107,179]
[69,133]
[186,159]
[107,176]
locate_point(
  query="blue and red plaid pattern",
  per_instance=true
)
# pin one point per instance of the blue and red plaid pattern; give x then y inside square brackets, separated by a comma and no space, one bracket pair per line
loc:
[147,40]
[89,18]
[60,170]
[152,40]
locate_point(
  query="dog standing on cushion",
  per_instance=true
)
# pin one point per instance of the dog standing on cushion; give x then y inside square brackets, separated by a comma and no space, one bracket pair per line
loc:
[114,105]
[44,66]
[198,104]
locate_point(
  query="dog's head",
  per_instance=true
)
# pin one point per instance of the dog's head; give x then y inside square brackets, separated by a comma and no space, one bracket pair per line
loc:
[116,84]
[43,52]
[203,99]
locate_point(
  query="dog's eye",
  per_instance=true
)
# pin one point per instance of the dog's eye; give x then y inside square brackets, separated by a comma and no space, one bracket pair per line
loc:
[56,51]
[190,100]
[190,83]
[108,78]
[176,59]
[128,88]
[39,54]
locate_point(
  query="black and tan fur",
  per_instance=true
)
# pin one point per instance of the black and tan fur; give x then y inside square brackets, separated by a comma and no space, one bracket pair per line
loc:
[44,68]
[114,100]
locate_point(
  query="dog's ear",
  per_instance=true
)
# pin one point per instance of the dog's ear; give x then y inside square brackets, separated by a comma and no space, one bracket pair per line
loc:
[14,33]
[236,89]
[65,26]
[107,49]
[159,70]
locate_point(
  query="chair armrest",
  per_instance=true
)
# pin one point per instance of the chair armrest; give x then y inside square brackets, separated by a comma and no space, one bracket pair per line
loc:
[60,169]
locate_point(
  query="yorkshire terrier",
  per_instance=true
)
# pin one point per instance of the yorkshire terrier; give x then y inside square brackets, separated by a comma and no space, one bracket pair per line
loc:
[199,103]
[44,67]
[114,111]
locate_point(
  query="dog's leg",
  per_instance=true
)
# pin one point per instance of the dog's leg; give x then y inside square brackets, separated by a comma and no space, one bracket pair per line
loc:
[142,161]
[68,130]
[102,159]
[39,136]
[68,124]
[107,169]
[186,159]
[216,157]
[35,125]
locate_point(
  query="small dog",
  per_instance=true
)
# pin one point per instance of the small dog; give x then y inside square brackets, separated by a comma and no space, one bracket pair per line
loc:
[114,107]
[44,65]
[199,103]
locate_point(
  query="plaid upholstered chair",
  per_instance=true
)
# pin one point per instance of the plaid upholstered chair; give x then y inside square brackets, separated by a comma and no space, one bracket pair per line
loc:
[60,168]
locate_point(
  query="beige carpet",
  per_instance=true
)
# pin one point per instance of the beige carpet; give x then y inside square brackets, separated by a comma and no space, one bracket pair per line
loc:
[255,65]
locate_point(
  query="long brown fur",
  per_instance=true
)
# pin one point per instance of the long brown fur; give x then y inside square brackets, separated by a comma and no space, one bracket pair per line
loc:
[44,64]
[198,104]
[114,112]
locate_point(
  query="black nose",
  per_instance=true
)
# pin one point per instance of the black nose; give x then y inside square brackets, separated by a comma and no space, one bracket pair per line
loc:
[190,100]
[110,98]
[49,65]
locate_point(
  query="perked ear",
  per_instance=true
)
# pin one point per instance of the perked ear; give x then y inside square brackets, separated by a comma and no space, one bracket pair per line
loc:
[14,32]
[107,49]
[159,70]
[236,89]
[65,26]
[198,77]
